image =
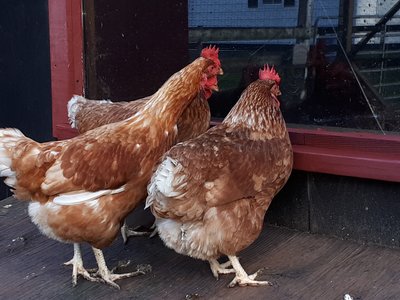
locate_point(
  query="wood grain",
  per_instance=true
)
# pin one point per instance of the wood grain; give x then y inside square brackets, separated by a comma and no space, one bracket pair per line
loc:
[300,265]
[66,50]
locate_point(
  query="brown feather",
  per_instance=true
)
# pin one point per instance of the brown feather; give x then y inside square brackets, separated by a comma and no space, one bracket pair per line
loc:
[211,193]
[111,156]
[91,114]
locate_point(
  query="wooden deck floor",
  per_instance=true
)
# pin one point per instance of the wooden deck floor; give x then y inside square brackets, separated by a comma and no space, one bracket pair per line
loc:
[300,265]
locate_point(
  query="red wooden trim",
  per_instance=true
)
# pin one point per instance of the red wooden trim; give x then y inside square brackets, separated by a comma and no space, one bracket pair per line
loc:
[355,164]
[337,138]
[346,153]
[66,52]
[357,154]
[64,131]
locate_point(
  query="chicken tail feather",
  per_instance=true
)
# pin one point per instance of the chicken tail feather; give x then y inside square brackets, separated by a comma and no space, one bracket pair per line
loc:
[75,104]
[8,139]
[73,107]
[165,183]
[84,196]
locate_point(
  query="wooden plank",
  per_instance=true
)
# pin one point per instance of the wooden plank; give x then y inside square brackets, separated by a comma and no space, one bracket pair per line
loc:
[125,58]
[300,266]
[66,48]
[345,139]
[347,153]
[346,163]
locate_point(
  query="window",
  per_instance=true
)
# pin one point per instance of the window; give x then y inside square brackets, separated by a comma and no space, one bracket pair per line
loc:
[252,3]
[272,1]
[340,87]
[288,3]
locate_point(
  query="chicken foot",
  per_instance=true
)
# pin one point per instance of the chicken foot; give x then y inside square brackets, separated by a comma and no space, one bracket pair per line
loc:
[217,268]
[242,278]
[77,266]
[127,232]
[106,275]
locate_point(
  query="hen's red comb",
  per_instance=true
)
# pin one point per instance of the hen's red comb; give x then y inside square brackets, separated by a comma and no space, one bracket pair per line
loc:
[269,73]
[211,53]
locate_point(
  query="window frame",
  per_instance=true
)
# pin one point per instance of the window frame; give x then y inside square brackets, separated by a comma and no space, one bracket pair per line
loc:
[285,4]
[320,149]
[274,2]
[253,5]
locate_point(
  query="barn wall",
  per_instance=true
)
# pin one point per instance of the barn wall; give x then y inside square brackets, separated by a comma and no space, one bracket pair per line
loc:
[132,47]
[226,13]
[346,207]
[236,13]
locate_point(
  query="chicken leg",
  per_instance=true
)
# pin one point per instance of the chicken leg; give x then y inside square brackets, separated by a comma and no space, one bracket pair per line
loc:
[241,278]
[77,266]
[127,232]
[217,268]
[106,275]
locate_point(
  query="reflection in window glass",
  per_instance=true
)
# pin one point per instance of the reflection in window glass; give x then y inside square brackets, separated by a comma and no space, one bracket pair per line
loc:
[287,3]
[252,3]
[336,68]
[272,1]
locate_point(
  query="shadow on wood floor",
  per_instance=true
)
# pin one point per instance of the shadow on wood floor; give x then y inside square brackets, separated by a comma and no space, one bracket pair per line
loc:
[300,265]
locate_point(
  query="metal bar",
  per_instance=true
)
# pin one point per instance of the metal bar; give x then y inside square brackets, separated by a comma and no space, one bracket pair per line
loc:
[392,97]
[378,70]
[387,84]
[197,35]
[349,29]
[377,52]
[383,39]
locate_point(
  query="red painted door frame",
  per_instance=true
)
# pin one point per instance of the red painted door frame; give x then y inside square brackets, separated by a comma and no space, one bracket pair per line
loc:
[66,58]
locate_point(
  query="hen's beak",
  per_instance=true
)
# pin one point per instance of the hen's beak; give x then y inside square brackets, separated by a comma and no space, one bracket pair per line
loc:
[212,83]
[221,72]
[214,88]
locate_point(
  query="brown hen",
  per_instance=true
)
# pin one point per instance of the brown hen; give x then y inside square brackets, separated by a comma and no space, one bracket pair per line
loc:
[82,189]
[210,194]
[85,114]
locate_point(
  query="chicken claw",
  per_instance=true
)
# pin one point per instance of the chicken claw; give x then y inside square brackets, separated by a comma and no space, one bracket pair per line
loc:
[107,276]
[154,230]
[217,268]
[127,232]
[77,266]
[241,278]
